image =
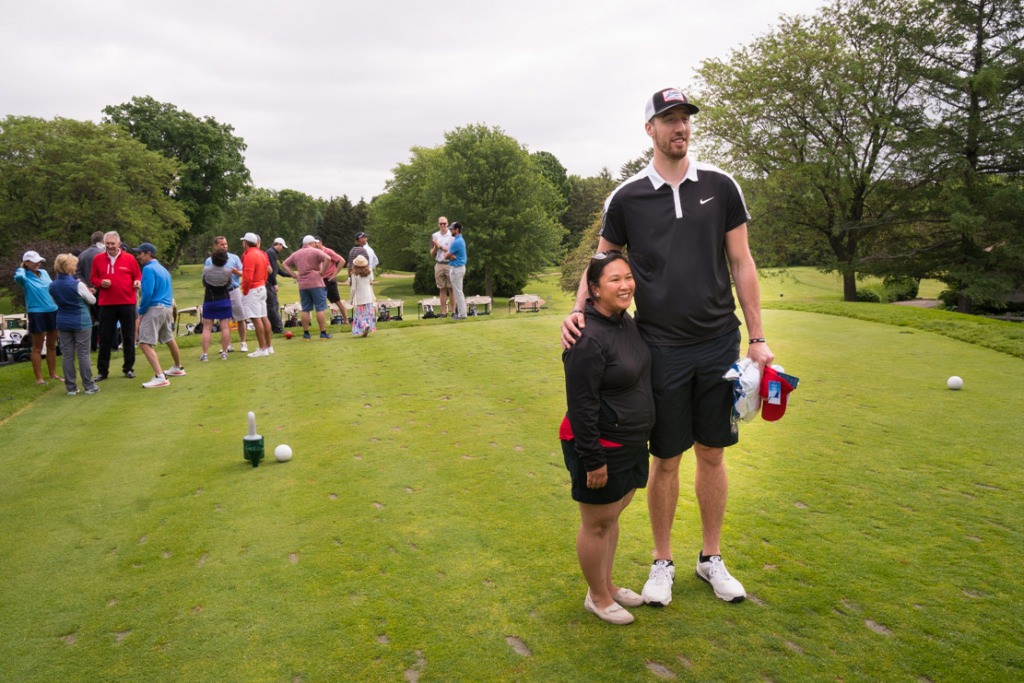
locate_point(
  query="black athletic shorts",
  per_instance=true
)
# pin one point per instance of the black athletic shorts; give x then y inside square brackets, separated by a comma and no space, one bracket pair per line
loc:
[692,401]
[332,290]
[628,466]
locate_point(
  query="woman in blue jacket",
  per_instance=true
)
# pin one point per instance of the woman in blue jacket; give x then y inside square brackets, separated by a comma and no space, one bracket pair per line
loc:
[42,313]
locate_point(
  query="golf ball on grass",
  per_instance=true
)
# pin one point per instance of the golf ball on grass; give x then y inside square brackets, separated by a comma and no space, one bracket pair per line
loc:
[283,453]
[954,383]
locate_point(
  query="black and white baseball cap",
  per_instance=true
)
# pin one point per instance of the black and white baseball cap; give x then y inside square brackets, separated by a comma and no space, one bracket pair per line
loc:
[663,100]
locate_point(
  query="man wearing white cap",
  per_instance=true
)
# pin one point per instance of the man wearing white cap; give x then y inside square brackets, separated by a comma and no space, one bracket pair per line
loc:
[255,266]
[685,223]
[273,305]
[312,264]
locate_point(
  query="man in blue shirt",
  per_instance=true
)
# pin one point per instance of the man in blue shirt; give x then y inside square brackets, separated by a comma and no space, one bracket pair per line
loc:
[457,258]
[156,315]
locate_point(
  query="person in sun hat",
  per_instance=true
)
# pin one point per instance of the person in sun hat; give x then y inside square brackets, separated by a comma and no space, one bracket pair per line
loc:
[685,225]
[42,313]
[364,319]
[604,433]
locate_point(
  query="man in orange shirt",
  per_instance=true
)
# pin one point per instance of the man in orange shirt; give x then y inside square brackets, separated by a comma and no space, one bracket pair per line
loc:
[255,267]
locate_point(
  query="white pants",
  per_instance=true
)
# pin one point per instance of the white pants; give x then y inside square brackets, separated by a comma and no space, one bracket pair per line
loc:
[458,274]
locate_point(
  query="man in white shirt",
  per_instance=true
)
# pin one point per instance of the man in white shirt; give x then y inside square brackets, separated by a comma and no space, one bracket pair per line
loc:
[439,243]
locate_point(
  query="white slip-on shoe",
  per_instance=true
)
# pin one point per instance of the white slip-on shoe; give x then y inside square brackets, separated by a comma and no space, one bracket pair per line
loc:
[613,614]
[628,598]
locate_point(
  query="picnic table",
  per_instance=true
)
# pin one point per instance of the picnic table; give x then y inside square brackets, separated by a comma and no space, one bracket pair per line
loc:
[525,302]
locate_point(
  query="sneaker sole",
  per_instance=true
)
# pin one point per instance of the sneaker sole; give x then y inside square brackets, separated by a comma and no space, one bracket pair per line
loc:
[735,600]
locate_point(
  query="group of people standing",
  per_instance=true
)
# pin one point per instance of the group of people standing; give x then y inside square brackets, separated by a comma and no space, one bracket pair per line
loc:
[654,385]
[108,298]
[448,249]
[128,294]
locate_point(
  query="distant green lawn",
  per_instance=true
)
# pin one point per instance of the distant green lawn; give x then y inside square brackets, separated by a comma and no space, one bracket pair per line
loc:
[424,529]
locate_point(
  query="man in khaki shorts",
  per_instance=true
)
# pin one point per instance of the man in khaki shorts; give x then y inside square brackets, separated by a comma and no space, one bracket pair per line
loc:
[156,317]
[439,243]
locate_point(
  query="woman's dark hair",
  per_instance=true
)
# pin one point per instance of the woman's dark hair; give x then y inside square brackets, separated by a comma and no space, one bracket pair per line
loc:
[219,258]
[598,263]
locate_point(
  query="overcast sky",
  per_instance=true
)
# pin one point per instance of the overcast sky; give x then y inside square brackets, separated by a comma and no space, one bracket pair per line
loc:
[330,95]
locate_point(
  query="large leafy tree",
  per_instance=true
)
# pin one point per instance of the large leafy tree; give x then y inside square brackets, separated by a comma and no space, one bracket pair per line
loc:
[63,179]
[820,110]
[487,181]
[972,68]
[210,155]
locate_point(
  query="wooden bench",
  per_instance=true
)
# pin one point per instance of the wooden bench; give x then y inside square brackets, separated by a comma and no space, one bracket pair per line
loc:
[525,303]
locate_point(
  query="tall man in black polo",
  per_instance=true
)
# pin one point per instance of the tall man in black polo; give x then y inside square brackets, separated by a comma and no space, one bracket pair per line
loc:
[685,223]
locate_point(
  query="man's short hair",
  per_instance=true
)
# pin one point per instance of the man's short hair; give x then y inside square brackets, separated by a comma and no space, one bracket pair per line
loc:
[97,236]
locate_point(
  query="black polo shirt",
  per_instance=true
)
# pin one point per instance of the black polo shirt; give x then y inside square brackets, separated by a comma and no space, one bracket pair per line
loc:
[677,250]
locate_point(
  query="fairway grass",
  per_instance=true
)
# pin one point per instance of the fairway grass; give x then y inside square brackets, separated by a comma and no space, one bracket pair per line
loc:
[424,529]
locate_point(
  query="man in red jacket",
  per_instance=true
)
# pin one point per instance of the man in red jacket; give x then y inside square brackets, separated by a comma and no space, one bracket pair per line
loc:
[117,277]
[255,266]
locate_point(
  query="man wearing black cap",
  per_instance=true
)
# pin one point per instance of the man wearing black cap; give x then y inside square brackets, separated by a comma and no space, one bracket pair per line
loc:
[685,224]
[273,306]
[358,250]
[156,317]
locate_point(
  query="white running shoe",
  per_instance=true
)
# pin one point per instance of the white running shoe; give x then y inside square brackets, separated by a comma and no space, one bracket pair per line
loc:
[270,350]
[175,371]
[204,358]
[231,348]
[156,382]
[658,589]
[258,353]
[714,572]
[243,347]
[223,355]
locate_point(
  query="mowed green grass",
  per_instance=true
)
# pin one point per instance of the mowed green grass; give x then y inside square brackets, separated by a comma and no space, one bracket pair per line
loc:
[424,529]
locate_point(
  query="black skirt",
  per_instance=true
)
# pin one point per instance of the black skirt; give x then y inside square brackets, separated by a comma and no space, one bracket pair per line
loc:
[628,466]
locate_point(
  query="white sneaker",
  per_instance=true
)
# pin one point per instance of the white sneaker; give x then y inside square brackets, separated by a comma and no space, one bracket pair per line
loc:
[156,382]
[270,350]
[175,371]
[231,348]
[714,572]
[243,347]
[258,353]
[204,358]
[658,589]
[223,355]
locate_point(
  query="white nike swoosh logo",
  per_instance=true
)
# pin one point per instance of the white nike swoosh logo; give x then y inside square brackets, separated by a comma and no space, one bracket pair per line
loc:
[705,201]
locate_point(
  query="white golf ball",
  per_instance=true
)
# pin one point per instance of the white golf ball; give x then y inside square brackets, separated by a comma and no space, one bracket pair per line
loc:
[954,383]
[283,453]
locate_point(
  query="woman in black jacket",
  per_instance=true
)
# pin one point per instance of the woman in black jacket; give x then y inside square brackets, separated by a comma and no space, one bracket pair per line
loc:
[604,434]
